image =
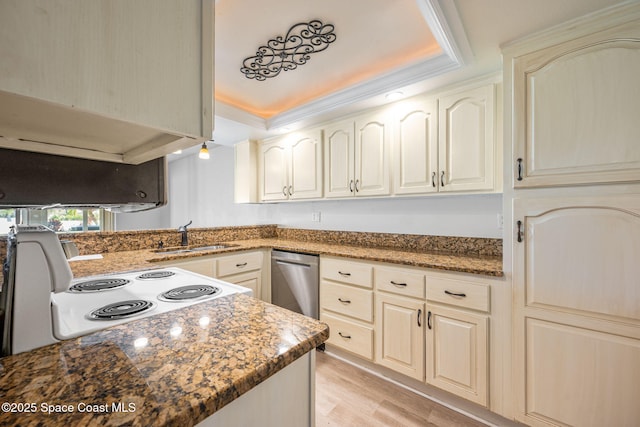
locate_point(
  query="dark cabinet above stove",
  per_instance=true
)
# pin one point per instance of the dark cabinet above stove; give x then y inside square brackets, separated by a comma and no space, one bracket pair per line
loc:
[34,180]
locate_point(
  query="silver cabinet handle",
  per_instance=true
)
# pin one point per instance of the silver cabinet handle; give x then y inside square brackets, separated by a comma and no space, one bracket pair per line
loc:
[400,285]
[344,301]
[348,337]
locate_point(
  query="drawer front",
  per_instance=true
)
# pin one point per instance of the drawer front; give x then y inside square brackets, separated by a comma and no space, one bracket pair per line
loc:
[458,292]
[349,336]
[239,263]
[354,273]
[347,300]
[399,281]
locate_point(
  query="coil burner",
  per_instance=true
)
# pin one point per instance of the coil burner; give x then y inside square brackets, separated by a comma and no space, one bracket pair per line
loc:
[189,292]
[122,309]
[99,285]
[162,274]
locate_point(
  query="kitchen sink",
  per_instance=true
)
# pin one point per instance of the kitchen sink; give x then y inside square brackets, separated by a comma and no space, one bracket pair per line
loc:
[186,249]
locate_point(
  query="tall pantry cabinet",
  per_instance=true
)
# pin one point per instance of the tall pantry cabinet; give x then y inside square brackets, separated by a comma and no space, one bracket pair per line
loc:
[573,95]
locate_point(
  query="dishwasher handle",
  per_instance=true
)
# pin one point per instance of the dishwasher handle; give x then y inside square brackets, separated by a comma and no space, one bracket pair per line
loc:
[287,262]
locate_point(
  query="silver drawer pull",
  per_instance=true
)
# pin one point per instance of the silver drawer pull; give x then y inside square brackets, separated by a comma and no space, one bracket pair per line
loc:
[455,294]
[344,274]
[348,337]
[244,264]
[398,284]
[344,301]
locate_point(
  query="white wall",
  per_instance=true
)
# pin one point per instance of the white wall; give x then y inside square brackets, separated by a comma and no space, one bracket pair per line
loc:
[202,191]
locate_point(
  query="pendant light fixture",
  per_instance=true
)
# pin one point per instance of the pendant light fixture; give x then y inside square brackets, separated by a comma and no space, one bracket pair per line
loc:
[204,152]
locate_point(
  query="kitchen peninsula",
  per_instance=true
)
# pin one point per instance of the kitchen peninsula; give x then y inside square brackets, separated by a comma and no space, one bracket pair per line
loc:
[172,369]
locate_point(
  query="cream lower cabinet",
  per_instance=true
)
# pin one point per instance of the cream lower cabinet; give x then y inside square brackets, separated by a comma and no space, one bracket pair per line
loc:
[246,269]
[346,304]
[457,335]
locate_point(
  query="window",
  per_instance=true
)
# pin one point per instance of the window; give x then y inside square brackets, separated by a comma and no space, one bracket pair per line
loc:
[7,219]
[61,220]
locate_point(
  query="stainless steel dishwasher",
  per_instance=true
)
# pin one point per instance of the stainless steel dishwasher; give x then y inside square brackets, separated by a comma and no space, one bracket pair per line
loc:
[294,282]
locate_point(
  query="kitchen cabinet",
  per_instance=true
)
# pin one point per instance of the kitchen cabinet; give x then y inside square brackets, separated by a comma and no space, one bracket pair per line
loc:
[575,108]
[357,154]
[400,334]
[291,167]
[467,140]
[457,342]
[577,309]
[415,168]
[246,269]
[106,80]
[346,304]
[245,172]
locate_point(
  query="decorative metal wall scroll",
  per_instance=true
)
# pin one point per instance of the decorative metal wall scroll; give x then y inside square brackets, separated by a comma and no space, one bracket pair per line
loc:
[286,53]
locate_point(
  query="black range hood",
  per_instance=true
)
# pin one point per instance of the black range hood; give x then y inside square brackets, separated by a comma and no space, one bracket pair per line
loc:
[29,179]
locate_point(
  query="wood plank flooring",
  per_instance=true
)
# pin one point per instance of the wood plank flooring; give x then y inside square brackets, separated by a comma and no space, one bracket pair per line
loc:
[347,396]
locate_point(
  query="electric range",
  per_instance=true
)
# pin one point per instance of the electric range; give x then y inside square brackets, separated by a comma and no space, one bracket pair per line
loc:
[41,303]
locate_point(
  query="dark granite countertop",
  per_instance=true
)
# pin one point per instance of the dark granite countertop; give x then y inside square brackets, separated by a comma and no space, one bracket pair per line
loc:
[143,373]
[113,262]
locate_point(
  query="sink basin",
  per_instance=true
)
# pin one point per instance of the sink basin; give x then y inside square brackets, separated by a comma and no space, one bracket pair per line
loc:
[186,249]
[210,248]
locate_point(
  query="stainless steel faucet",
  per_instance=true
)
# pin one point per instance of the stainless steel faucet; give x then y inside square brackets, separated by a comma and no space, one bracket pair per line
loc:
[183,229]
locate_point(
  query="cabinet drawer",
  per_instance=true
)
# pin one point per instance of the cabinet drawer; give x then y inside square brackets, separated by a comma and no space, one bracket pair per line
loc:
[458,292]
[238,263]
[349,336]
[347,300]
[351,272]
[399,281]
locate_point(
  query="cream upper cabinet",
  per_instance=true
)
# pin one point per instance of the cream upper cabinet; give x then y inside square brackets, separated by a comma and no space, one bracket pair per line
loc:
[106,80]
[373,145]
[357,156]
[575,113]
[415,166]
[467,140]
[291,167]
[577,309]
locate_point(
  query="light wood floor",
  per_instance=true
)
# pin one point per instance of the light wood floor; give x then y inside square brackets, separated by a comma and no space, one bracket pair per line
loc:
[347,396]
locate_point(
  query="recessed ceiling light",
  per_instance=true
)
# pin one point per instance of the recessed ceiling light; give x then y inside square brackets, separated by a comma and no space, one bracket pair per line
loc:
[394,96]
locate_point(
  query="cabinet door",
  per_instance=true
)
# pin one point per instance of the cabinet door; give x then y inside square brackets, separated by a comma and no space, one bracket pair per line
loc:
[416,147]
[577,310]
[400,335]
[372,144]
[274,168]
[576,111]
[251,280]
[467,140]
[306,166]
[339,164]
[457,352]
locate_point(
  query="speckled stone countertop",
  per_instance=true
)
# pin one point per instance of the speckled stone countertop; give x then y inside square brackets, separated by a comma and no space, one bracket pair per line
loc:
[170,381]
[114,262]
